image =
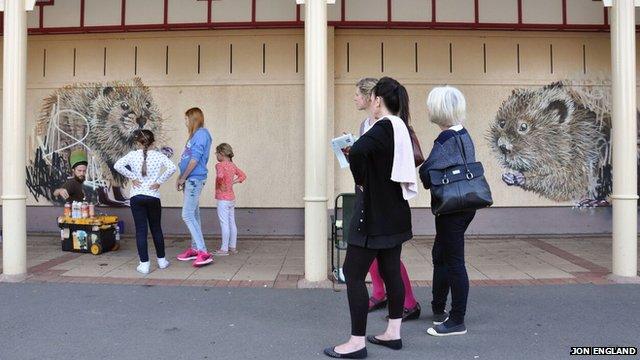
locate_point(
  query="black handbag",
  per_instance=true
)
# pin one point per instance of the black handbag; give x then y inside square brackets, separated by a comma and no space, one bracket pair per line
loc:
[459,188]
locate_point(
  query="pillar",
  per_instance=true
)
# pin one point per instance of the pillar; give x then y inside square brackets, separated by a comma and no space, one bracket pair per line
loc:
[315,200]
[14,209]
[624,139]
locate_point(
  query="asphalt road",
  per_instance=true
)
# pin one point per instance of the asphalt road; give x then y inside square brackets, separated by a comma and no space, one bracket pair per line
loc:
[80,321]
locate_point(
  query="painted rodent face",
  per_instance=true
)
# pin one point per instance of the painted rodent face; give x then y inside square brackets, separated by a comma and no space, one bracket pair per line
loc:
[529,131]
[124,109]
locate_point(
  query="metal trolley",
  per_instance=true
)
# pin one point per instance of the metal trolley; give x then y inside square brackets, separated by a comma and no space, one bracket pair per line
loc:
[340,221]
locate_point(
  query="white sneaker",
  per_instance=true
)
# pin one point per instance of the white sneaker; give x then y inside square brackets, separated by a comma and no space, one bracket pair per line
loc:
[220,253]
[143,268]
[163,263]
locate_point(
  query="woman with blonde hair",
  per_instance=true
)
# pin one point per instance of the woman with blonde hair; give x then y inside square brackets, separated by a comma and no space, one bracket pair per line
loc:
[193,175]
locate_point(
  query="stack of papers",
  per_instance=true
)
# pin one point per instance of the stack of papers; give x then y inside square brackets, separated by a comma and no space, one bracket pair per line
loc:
[339,143]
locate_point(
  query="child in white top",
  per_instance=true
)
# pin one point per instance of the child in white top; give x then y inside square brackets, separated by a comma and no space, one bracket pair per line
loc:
[143,167]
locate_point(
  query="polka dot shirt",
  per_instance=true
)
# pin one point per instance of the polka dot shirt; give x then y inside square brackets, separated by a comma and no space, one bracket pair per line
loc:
[156,162]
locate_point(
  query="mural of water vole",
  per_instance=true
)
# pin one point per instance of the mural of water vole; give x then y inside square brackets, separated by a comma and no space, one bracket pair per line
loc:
[105,116]
[555,142]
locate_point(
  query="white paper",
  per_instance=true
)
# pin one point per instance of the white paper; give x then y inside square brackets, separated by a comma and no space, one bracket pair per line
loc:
[339,143]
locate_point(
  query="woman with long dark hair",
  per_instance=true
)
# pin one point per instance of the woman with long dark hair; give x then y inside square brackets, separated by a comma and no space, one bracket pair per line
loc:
[378,298]
[144,168]
[382,165]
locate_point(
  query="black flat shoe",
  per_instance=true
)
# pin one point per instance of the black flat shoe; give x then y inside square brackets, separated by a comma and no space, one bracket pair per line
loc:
[360,354]
[391,344]
[410,314]
[375,304]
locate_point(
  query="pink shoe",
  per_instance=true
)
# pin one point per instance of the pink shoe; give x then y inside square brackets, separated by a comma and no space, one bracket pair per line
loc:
[202,259]
[187,255]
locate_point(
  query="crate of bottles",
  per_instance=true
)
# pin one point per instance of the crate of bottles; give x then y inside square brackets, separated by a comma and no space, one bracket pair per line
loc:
[94,235]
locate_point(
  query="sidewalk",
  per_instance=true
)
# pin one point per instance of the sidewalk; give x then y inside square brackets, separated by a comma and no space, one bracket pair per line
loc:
[280,263]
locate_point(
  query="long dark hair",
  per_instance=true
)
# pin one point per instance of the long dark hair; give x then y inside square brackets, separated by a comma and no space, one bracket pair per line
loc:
[395,97]
[146,139]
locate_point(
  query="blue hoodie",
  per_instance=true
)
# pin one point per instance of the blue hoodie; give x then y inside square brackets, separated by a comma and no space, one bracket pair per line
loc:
[197,148]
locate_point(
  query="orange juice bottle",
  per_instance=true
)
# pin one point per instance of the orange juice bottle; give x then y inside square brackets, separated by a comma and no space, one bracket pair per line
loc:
[67,210]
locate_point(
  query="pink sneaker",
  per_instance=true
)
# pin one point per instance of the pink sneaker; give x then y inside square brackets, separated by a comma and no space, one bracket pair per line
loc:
[189,254]
[202,259]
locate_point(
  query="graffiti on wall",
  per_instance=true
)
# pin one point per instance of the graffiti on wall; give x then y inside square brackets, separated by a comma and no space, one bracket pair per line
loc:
[555,141]
[101,118]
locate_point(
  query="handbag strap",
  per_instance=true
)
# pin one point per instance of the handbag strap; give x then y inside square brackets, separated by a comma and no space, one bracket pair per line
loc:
[462,152]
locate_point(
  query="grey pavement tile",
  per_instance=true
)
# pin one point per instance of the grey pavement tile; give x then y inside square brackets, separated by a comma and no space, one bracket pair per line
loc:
[257,273]
[500,272]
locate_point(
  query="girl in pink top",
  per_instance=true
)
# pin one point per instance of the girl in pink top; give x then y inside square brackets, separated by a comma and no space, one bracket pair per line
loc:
[227,174]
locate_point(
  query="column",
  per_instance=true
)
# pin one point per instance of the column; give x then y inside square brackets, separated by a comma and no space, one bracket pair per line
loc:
[14,231]
[315,200]
[624,136]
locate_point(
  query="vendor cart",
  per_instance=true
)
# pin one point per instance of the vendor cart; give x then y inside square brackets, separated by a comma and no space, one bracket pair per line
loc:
[89,235]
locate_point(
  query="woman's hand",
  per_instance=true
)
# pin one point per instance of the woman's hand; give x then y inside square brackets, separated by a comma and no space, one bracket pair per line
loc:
[346,151]
[180,184]
[136,183]
[154,186]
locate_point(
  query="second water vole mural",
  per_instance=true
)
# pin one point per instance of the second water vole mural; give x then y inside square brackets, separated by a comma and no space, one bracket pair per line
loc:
[556,142]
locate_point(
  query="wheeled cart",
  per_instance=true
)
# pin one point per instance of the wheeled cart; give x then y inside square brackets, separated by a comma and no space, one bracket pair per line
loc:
[95,235]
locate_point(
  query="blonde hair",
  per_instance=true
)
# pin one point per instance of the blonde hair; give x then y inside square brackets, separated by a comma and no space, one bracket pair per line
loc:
[446,106]
[366,85]
[225,150]
[196,120]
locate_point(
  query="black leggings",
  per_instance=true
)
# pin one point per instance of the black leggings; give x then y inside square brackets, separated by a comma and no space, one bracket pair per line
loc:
[147,213]
[449,270]
[356,266]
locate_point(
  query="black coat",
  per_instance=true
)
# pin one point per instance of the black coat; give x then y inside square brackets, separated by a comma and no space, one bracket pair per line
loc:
[382,217]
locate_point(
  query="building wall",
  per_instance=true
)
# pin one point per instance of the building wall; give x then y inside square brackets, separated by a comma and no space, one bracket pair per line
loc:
[255,102]
[258,110]
[486,66]
[76,16]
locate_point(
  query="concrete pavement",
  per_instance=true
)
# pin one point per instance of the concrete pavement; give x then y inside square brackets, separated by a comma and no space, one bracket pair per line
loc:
[280,263]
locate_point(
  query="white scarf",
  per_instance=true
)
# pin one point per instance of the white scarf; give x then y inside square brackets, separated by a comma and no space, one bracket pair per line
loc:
[403,170]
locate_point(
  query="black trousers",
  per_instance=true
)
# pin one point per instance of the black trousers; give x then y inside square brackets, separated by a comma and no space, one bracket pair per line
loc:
[449,270]
[356,266]
[147,213]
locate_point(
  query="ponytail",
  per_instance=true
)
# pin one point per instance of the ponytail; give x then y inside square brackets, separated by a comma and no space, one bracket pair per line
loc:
[144,161]
[403,102]
[146,139]
[395,97]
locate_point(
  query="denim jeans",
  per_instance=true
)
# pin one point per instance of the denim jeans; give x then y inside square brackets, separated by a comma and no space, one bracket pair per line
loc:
[226,215]
[449,270]
[147,210]
[191,212]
